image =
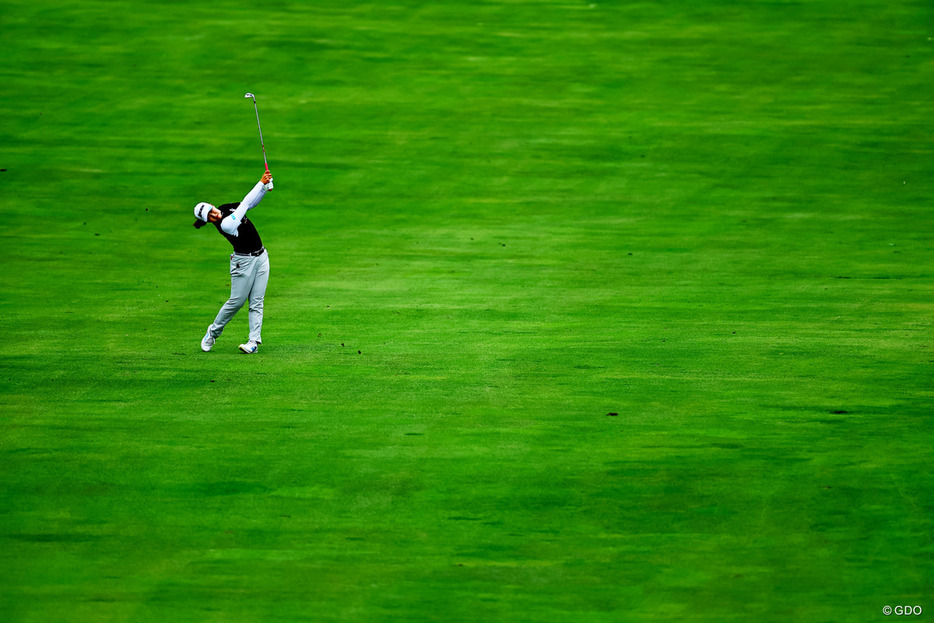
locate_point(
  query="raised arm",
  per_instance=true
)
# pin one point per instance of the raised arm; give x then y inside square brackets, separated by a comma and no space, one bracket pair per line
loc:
[252,199]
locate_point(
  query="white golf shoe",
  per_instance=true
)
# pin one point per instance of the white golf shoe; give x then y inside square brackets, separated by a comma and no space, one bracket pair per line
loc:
[249,348]
[207,342]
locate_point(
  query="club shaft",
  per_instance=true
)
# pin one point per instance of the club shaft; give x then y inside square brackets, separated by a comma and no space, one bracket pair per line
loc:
[261,142]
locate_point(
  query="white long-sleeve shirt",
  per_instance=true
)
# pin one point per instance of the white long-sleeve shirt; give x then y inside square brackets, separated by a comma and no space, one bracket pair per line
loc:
[231,224]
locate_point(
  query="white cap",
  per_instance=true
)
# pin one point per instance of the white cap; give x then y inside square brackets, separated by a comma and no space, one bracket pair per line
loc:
[202,210]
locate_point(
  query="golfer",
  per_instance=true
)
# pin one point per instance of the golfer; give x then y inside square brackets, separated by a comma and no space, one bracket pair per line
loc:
[249,263]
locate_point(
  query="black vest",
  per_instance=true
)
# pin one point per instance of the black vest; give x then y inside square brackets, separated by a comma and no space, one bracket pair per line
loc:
[247,238]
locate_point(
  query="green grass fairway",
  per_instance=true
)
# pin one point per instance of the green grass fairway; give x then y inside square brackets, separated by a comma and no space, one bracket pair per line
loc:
[579,311]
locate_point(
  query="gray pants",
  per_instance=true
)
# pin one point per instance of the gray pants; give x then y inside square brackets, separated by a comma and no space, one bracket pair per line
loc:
[248,278]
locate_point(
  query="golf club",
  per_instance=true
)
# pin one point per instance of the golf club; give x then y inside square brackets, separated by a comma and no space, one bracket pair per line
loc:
[261,143]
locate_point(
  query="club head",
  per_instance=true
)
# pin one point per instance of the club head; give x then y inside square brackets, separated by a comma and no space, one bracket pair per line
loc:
[251,96]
